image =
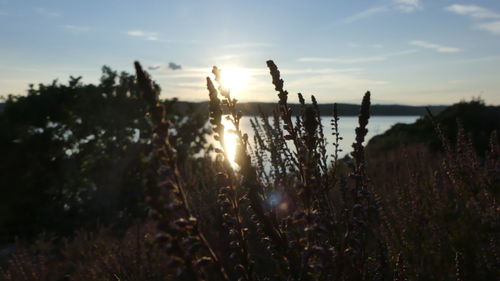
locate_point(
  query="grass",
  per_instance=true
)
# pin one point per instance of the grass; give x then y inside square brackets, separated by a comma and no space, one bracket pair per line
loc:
[288,211]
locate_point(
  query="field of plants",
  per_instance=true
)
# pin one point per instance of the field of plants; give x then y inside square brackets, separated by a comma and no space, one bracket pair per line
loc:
[108,182]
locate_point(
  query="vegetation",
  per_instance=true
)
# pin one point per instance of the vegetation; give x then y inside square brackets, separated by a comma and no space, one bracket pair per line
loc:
[477,119]
[283,211]
[73,153]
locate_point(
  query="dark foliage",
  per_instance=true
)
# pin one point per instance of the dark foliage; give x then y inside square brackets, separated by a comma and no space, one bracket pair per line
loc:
[73,155]
[478,120]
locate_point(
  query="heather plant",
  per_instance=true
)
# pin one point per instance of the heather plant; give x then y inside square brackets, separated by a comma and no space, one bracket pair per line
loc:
[309,218]
[99,255]
[440,214]
[283,209]
[308,236]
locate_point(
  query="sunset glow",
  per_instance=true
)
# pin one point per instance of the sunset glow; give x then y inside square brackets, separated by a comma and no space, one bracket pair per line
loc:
[235,79]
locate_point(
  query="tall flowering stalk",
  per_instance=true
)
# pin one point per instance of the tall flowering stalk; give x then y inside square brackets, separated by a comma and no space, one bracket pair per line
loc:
[179,228]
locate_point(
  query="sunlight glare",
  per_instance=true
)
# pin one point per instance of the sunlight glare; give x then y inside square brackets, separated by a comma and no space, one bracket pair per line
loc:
[230,139]
[234,78]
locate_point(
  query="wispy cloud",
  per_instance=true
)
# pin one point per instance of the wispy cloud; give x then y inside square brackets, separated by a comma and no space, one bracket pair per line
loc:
[304,71]
[436,47]
[479,13]
[473,11]
[137,33]
[46,12]
[492,27]
[355,60]
[335,82]
[319,81]
[225,57]
[407,6]
[154,67]
[170,66]
[152,36]
[366,14]
[343,60]
[76,28]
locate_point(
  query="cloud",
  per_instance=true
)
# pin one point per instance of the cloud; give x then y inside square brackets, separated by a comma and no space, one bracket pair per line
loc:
[407,6]
[335,82]
[436,47]
[137,33]
[152,36]
[152,68]
[189,82]
[355,60]
[76,28]
[366,14]
[478,13]
[473,11]
[170,66]
[174,66]
[492,27]
[225,57]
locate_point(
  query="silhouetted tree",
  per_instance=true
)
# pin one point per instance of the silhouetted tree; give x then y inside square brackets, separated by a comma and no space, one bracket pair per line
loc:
[73,155]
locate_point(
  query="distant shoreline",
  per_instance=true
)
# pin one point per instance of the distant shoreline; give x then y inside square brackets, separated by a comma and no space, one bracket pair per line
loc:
[344,109]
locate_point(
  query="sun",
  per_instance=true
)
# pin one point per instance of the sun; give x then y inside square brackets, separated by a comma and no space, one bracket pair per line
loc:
[234,78]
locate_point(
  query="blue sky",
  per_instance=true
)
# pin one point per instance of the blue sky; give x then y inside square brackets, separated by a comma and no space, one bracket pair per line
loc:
[405,51]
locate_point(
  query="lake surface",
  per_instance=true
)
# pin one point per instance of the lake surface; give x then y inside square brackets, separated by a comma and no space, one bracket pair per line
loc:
[347,126]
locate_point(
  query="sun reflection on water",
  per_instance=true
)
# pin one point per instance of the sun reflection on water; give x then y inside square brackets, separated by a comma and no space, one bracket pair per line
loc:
[235,79]
[230,140]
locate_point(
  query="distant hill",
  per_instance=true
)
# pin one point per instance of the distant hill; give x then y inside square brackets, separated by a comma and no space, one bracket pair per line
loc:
[477,119]
[344,109]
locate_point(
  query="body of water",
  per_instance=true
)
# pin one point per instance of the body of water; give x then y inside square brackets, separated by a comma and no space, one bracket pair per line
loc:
[347,125]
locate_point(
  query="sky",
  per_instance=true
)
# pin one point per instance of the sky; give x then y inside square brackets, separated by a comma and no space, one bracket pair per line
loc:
[415,52]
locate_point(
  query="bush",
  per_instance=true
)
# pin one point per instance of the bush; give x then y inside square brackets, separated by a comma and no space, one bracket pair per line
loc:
[74,155]
[478,120]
